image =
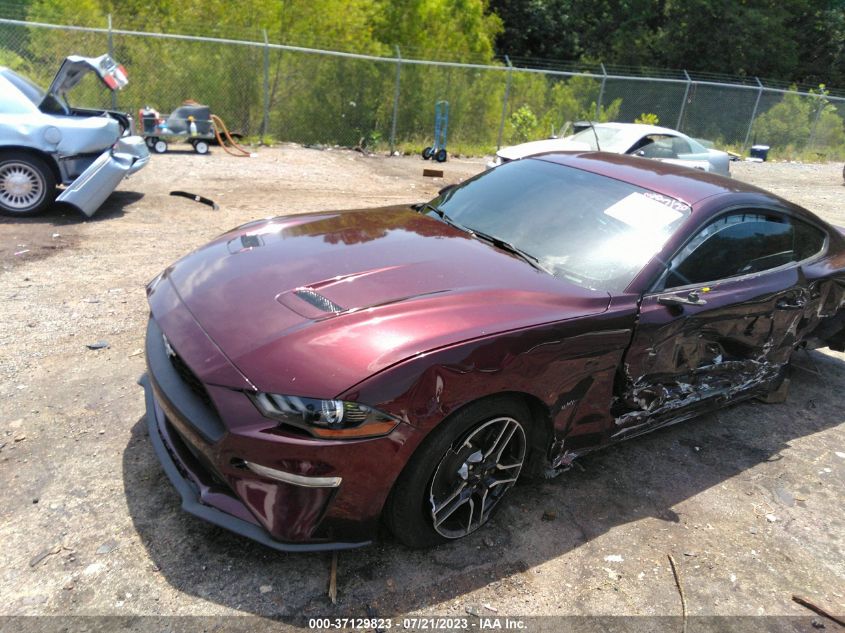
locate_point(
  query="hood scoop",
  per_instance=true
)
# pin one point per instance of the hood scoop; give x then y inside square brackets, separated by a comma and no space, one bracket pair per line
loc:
[309,303]
[315,299]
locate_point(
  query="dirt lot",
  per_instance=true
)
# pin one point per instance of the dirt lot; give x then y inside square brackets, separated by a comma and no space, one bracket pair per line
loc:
[749,501]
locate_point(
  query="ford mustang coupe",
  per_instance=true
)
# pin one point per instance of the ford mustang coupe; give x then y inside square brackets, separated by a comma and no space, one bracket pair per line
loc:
[310,376]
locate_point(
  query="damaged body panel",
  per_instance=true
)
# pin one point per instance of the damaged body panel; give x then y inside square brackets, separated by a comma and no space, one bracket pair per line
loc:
[46,142]
[408,364]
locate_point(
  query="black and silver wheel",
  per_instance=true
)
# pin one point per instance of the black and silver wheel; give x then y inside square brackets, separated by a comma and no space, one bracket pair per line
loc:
[427,153]
[201,147]
[160,146]
[458,478]
[27,184]
[441,155]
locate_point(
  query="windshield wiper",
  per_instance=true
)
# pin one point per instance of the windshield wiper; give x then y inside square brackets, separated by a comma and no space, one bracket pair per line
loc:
[495,241]
[427,206]
[510,248]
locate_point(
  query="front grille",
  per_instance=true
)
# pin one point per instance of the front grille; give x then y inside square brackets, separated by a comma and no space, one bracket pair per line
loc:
[190,379]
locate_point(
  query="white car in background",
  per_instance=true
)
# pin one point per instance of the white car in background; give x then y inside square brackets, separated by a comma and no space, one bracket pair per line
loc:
[648,141]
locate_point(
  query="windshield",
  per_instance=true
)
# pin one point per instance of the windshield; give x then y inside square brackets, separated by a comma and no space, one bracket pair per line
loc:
[611,139]
[594,231]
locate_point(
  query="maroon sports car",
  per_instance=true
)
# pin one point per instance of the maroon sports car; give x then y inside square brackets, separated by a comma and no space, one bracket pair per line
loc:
[310,376]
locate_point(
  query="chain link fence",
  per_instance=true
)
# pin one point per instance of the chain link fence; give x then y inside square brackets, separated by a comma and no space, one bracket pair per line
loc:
[310,96]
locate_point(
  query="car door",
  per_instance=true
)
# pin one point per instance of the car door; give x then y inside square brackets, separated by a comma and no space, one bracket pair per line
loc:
[721,322]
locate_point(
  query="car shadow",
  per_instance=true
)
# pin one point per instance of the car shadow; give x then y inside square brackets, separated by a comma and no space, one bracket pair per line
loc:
[640,479]
[32,238]
[62,214]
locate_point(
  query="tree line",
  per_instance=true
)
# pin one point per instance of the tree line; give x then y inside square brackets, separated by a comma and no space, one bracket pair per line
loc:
[322,99]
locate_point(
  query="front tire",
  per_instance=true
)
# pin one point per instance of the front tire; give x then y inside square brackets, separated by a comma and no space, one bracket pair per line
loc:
[456,480]
[27,184]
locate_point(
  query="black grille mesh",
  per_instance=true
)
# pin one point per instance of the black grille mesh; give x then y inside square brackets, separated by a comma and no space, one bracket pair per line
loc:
[190,379]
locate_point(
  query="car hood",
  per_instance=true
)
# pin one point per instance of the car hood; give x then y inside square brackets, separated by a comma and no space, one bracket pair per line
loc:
[515,152]
[75,67]
[313,304]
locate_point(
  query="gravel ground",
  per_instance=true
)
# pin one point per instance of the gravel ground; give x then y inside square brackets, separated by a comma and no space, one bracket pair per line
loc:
[749,501]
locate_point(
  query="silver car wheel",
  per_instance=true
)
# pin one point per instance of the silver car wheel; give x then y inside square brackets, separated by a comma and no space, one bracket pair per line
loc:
[22,186]
[473,476]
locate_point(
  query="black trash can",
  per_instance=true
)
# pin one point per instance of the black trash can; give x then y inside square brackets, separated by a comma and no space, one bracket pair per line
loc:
[759,151]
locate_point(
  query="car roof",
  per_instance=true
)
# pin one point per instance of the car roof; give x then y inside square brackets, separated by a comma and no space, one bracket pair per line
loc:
[682,183]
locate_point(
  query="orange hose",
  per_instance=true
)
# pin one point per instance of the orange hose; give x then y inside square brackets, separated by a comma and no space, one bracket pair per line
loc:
[218,124]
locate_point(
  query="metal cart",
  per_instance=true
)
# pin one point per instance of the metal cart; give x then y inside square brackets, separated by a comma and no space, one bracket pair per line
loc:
[189,122]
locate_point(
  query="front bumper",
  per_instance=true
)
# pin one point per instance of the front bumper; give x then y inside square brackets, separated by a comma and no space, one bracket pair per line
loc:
[196,498]
[240,470]
[88,192]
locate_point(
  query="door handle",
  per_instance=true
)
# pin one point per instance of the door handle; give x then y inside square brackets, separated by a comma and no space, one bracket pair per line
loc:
[692,299]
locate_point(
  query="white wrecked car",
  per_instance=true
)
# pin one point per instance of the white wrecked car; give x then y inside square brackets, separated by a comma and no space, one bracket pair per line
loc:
[45,142]
[648,141]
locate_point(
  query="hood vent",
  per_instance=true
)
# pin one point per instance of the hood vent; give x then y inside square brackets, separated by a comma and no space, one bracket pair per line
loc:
[318,301]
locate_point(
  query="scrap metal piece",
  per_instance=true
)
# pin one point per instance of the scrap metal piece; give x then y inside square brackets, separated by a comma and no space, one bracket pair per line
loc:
[196,198]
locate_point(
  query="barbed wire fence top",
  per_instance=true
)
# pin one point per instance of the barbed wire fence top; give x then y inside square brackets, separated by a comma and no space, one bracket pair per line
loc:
[325,97]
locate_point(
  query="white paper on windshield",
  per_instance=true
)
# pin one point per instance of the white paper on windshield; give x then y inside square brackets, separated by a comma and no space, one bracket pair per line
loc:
[642,213]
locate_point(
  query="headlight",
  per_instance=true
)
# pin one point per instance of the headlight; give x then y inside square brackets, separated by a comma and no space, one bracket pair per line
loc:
[330,419]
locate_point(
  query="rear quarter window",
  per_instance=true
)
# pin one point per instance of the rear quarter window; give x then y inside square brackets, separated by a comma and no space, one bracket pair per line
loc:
[12,100]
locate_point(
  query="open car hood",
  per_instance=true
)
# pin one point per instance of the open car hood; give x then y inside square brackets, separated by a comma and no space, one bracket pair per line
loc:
[75,67]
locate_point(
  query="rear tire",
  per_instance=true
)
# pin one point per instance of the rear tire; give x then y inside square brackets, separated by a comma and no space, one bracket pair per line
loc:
[456,479]
[27,184]
[441,156]
[160,146]
[201,147]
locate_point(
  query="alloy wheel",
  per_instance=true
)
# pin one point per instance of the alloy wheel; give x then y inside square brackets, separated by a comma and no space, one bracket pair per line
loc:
[473,476]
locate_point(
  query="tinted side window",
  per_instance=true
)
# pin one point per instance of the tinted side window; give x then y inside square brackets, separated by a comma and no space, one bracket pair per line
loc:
[743,243]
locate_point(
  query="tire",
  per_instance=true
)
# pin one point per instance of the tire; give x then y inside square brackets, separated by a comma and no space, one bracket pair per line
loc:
[427,152]
[441,156]
[201,147]
[150,141]
[27,184]
[457,463]
[160,146]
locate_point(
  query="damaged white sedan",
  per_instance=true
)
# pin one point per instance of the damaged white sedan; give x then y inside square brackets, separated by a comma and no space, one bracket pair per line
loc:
[46,143]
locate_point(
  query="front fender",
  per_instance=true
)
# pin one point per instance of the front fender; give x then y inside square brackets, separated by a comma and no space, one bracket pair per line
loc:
[568,366]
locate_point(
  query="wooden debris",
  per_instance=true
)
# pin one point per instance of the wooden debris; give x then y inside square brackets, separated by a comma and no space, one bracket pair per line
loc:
[333,579]
[680,587]
[433,173]
[804,602]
